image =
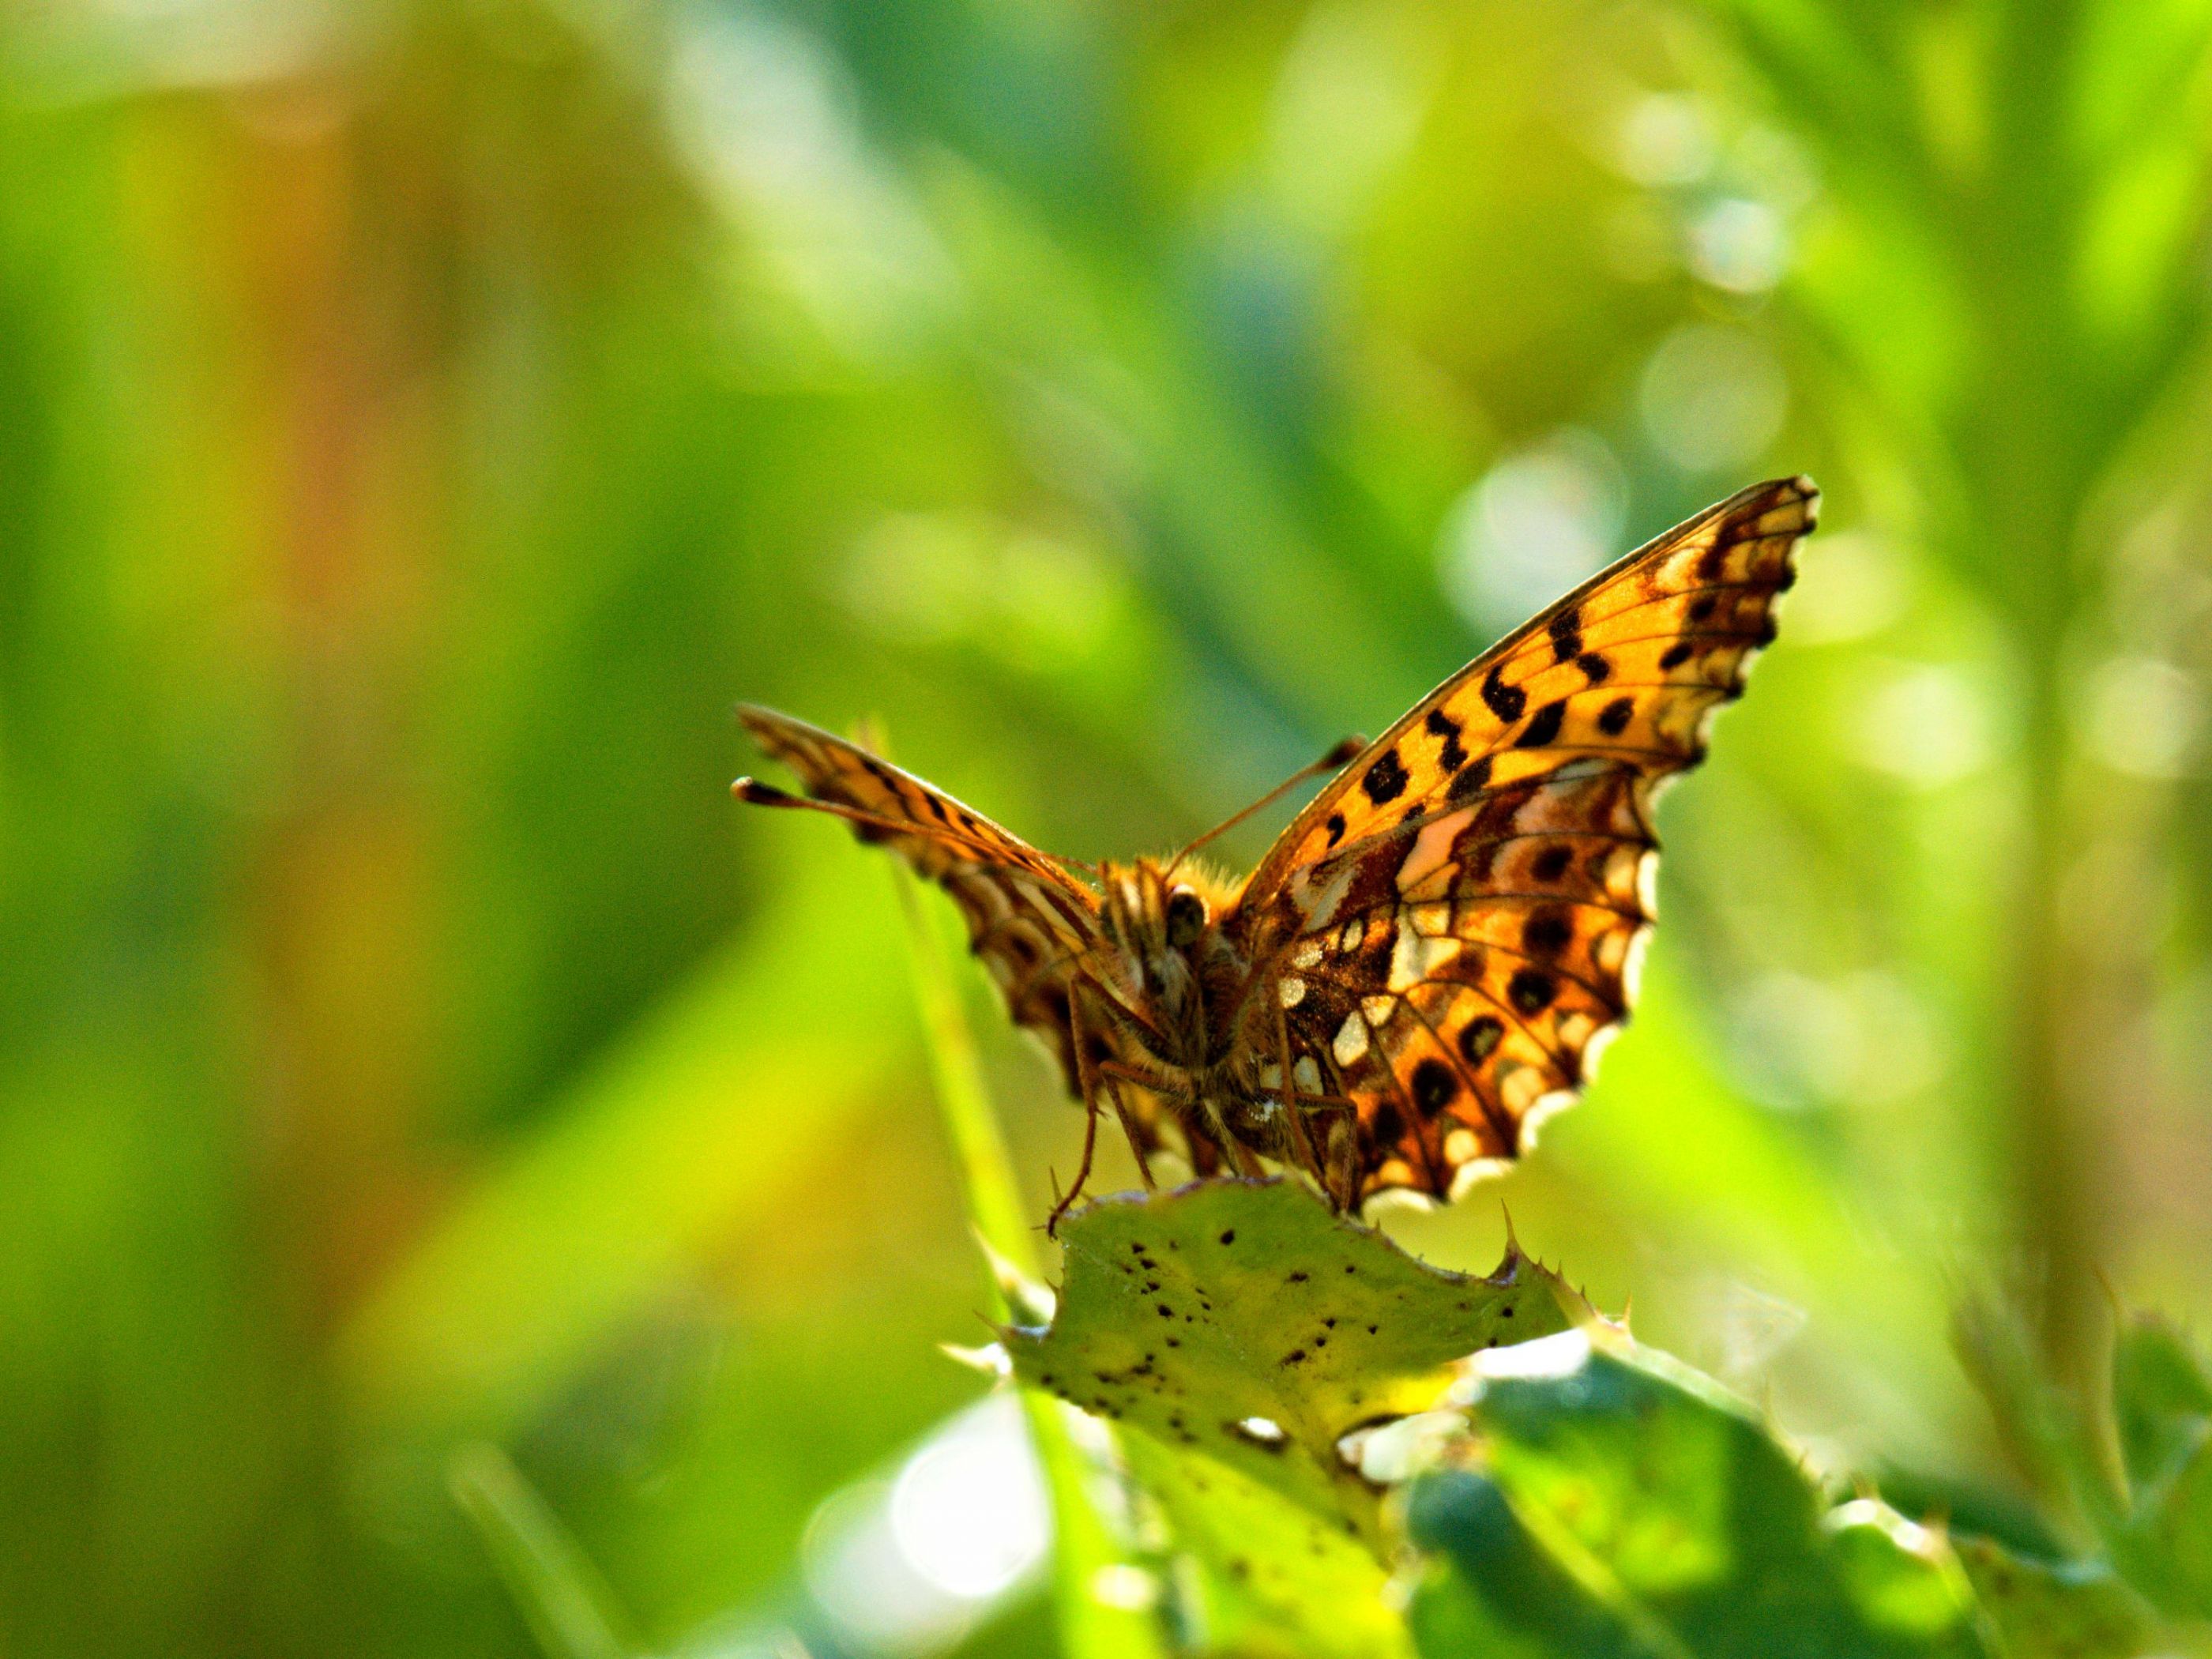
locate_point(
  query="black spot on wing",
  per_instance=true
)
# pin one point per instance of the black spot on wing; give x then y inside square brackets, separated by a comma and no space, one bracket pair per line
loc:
[1676,654]
[1479,1037]
[1470,782]
[1547,932]
[1507,701]
[1385,780]
[1566,632]
[1595,669]
[1336,828]
[1551,863]
[1543,727]
[1451,757]
[1714,565]
[1531,991]
[1434,1086]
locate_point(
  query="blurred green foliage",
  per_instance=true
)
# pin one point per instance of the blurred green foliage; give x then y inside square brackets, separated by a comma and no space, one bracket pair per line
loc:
[424,419]
[1627,1508]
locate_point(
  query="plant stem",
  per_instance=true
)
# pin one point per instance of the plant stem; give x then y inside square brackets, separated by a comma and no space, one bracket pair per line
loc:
[979,1146]
[1087,1554]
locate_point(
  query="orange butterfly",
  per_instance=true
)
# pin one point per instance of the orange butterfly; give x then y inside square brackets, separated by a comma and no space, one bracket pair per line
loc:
[1430,956]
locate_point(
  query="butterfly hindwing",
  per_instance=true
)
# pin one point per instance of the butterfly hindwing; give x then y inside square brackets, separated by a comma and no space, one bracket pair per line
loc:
[1452,926]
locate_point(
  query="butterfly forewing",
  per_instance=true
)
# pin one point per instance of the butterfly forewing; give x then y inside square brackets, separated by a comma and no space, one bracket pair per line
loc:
[1452,926]
[1033,927]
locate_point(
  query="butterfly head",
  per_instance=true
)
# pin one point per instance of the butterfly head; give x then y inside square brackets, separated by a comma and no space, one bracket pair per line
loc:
[1163,917]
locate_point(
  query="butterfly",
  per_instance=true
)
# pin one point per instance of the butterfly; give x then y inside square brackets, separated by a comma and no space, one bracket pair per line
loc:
[1434,953]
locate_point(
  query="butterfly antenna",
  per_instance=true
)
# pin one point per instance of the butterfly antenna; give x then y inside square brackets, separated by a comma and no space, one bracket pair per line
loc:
[1337,757]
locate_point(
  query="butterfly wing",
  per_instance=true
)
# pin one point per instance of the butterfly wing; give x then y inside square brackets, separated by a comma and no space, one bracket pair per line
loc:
[1451,928]
[1027,919]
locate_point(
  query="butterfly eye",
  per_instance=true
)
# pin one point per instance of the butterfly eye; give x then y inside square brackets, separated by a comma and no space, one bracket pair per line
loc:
[1186,917]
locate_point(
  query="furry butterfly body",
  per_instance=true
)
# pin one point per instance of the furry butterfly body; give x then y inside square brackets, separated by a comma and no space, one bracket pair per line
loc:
[1433,953]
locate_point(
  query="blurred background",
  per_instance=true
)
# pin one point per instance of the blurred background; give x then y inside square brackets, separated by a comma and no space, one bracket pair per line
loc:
[424,419]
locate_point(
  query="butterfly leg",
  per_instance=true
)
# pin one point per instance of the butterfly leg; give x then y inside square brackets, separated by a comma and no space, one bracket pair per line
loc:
[1088,1077]
[1110,1071]
[1294,1121]
[1136,1140]
[1218,1130]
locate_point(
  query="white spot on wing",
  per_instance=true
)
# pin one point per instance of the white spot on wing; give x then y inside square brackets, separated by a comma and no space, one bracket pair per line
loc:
[1324,907]
[1290,991]
[1474,1172]
[1307,955]
[1593,1051]
[1632,969]
[1417,956]
[1433,849]
[1576,770]
[1306,1074]
[1519,1085]
[1378,1010]
[1647,882]
[1545,1106]
[1396,1198]
[1351,1039]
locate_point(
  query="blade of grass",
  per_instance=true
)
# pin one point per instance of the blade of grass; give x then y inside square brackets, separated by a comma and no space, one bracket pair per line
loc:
[1089,1560]
[561,1595]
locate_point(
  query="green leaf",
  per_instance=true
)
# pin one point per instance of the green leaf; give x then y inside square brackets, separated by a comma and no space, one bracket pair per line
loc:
[1494,1590]
[1256,1575]
[2054,1609]
[2160,1397]
[560,1594]
[2165,1546]
[1244,1321]
[2162,1410]
[1640,1509]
